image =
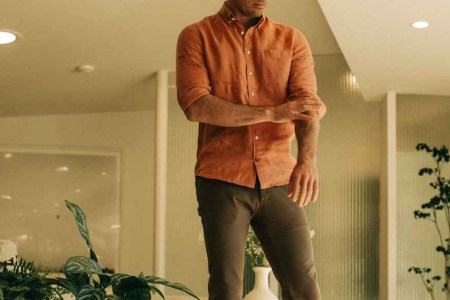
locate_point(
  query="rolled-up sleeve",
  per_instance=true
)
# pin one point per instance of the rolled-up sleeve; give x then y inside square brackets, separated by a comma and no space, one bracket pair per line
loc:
[191,72]
[302,79]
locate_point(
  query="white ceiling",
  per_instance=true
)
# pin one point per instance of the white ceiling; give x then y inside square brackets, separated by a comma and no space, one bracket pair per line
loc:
[126,40]
[385,53]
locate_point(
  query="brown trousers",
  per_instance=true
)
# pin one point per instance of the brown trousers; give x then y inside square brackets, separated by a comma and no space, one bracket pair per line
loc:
[227,210]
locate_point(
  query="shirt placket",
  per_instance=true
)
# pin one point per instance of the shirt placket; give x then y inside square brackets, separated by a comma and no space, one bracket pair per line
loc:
[247,42]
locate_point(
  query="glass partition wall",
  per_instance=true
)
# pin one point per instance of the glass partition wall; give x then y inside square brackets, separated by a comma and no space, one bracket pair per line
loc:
[420,119]
[345,217]
[33,187]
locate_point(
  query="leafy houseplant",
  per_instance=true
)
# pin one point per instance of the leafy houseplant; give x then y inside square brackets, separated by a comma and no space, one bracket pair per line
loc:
[253,251]
[439,202]
[84,277]
[20,280]
[257,261]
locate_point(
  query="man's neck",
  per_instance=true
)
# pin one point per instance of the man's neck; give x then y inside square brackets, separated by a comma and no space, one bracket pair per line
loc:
[246,21]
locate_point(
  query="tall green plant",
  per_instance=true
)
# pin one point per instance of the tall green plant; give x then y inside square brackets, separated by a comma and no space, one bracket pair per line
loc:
[439,202]
[86,280]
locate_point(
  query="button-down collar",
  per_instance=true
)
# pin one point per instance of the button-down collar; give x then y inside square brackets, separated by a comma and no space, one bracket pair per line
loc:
[228,16]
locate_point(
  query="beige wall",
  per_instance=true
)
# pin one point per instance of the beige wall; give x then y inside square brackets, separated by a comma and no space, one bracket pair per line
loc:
[132,133]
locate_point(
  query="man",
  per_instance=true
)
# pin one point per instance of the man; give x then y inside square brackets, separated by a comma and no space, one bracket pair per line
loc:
[250,83]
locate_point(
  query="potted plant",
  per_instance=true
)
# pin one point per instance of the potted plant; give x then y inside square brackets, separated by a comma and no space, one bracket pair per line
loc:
[261,268]
[257,259]
[84,278]
[430,211]
[20,280]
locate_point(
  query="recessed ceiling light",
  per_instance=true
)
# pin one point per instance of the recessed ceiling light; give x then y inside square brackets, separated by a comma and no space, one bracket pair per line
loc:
[85,69]
[62,169]
[420,24]
[6,197]
[8,155]
[23,237]
[7,37]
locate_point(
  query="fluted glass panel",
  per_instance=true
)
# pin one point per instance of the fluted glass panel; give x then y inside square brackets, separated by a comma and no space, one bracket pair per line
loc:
[345,218]
[186,255]
[420,119]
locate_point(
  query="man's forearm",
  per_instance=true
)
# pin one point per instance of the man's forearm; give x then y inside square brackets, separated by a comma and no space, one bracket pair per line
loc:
[215,111]
[307,134]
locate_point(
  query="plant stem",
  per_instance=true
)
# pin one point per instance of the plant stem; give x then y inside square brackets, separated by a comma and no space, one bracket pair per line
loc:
[429,289]
[446,211]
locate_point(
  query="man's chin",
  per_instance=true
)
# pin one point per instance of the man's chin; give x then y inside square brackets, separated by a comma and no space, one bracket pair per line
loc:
[256,14]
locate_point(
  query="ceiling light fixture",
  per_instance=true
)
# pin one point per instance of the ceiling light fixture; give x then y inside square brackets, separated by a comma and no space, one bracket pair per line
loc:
[7,37]
[420,24]
[62,169]
[88,69]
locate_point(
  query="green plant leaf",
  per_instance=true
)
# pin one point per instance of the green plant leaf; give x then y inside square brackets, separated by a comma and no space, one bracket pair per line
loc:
[80,218]
[88,292]
[176,286]
[154,289]
[130,287]
[81,264]
[64,283]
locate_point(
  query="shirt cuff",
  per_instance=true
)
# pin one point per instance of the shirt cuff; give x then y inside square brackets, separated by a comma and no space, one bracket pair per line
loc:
[193,94]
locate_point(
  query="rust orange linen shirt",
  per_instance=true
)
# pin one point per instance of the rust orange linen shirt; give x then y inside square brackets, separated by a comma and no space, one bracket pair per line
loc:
[266,65]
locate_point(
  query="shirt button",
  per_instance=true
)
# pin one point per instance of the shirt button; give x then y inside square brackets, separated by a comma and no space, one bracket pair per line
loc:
[233,19]
[253,94]
[256,137]
[248,52]
[250,73]
[242,32]
[256,158]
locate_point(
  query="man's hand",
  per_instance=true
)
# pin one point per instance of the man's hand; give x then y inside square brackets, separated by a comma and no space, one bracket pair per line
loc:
[304,182]
[295,110]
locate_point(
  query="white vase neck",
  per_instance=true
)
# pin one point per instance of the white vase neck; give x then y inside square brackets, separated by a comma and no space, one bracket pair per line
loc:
[261,277]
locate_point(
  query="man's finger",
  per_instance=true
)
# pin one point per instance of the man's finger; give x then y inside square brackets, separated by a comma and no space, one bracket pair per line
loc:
[296,190]
[291,186]
[305,117]
[309,192]
[304,187]
[316,191]
[305,108]
[306,101]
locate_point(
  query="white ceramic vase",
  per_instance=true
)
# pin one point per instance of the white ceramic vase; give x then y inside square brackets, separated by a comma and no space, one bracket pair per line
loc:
[261,290]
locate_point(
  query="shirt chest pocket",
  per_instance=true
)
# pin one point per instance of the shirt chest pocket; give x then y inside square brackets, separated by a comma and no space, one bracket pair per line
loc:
[276,66]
